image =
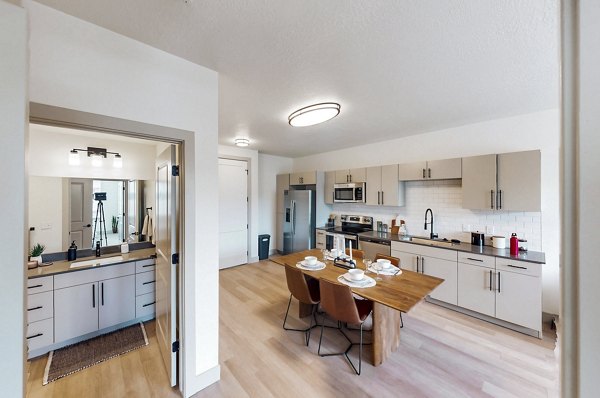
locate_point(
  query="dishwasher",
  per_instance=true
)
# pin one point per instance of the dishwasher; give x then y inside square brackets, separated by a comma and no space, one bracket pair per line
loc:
[374,246]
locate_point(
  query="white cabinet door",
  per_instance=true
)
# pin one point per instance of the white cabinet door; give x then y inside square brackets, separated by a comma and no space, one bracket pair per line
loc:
[479,182]
[390,194]
[373,186]
[412,171]
[329,189]
[321,239]
[444,169]
[117,301]
[75,311]
[476,290]
[519,181]
[519,299]
[446,270]
[303,178]
[408,261]
[358,175]
[342,176]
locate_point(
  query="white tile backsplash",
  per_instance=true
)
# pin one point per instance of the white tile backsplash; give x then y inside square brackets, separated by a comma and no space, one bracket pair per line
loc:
[444,197]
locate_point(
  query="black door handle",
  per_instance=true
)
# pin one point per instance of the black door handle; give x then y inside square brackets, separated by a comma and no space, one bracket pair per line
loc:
[94,295]
[102,293]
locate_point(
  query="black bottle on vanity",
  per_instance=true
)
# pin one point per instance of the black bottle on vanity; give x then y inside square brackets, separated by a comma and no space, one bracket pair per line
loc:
[72,252]
[98,248]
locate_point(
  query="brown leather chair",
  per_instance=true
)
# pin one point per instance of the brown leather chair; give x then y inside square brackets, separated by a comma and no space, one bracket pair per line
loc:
[337,301]
[306,291]
[395,261]
[356,253]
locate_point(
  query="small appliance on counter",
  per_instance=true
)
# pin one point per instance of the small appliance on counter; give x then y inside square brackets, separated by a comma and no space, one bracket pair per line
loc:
[499,242]
[72,252]
[522,245]
[477,238]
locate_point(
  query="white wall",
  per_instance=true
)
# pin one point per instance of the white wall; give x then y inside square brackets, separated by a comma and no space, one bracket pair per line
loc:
[80,66]
[46,212]
[268,168]
[538,130]
[13,137]
[49,152]
[251,156]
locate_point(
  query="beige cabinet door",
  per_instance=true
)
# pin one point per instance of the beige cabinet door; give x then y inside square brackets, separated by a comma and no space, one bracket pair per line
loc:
[444,169]
[445,269]
[358,175]
[412,171]
[283,184]
[390,194]
[408,261]
[303,178]
[476,289]
[519,299]
[479,182]
[329,187]
[373,181]
[342,176]
[296,178]
[519,181]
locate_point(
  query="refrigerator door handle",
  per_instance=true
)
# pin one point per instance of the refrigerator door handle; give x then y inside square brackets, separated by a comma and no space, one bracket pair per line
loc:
[293,217]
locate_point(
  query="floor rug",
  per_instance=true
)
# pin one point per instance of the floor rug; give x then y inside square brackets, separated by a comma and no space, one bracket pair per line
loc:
[78,356]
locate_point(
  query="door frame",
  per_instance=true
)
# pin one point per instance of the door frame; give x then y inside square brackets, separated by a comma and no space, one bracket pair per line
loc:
[69,118]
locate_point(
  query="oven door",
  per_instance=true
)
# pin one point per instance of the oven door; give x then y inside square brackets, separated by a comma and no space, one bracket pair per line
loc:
[344,193]
[348,238]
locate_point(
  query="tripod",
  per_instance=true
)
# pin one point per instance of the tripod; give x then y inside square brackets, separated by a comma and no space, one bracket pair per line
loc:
[100,216]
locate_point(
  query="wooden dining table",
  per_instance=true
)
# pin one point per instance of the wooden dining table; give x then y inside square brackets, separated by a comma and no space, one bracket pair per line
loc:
[391,296]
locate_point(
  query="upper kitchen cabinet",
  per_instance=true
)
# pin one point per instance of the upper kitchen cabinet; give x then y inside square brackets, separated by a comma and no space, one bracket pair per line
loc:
[329,187]
[383,187]
[350,175]
[303,178]
[430,170]
[508,181]
[283,184]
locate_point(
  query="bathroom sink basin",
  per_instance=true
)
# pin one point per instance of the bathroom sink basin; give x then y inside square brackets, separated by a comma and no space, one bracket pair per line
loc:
[97,261]
[432,242]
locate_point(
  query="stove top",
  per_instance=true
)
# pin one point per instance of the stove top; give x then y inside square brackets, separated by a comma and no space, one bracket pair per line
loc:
[356,224]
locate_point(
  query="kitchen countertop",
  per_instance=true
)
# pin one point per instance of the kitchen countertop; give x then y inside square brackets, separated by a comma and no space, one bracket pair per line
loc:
[60,267]
[529,256]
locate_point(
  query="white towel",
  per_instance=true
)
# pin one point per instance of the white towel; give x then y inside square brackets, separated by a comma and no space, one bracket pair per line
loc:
[148,228]
[145,225]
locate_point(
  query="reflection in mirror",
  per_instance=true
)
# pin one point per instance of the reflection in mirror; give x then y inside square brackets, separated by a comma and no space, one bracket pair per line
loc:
[62,210]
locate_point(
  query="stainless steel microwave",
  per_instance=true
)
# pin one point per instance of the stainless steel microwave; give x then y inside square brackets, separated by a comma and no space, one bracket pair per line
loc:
[349,193]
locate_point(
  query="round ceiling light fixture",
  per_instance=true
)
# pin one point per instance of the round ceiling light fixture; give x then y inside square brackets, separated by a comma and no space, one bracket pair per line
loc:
[314,114]
[242,142]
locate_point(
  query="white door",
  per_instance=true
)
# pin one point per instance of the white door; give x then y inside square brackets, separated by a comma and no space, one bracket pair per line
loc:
[117,301]
[476,290]
[165,225]
[518,299]
[445,269]
[81,212]
[75,311]
[233,213]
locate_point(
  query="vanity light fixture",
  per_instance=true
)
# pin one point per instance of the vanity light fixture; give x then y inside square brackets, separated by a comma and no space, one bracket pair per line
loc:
[242,142]
[97,155]
[314,114]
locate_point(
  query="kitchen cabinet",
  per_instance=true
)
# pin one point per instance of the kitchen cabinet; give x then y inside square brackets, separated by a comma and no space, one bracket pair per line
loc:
[329,187]
[117,301]
[383,187]
[303,178]
[282,185]
[430,170]
[432,261]
[350,175]
[476,289]
[508,181]
[321,239]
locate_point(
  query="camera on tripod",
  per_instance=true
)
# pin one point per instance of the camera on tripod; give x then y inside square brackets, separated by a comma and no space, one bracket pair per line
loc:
[100,196]
[100,221]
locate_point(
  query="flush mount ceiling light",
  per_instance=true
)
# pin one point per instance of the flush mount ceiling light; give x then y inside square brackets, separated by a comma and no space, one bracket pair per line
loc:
[97,155]
[314,114]
[242,142]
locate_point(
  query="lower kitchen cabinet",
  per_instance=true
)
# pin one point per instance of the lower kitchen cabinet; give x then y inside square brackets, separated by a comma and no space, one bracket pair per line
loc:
[518,299]
[75,311]
[321,239]
[477,291]
[445,269]
[117,301]
[40,334]
[408,261]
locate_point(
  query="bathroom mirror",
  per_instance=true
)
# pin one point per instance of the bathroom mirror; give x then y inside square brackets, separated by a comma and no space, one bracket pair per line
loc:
[87,210]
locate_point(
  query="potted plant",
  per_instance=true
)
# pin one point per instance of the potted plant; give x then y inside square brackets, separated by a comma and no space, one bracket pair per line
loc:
[115,224]
[36,253]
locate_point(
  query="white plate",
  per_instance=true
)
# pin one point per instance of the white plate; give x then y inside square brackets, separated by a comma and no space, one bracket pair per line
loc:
[318,267]
[315,265]
[387,271]
[365,282]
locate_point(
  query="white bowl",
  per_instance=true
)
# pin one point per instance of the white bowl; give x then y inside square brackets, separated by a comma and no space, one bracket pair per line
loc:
[310,260]
[385,263]
[356,274]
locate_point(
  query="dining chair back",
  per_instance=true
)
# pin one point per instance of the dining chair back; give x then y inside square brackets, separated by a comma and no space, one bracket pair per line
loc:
[394,260]
[356,253]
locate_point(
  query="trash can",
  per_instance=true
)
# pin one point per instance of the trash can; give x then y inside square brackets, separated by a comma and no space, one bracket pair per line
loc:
[263,246]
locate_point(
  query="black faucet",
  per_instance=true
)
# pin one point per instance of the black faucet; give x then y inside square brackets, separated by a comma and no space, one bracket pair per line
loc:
[431,234]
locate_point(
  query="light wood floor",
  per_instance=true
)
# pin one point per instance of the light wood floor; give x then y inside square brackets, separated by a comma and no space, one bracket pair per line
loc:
[442,354]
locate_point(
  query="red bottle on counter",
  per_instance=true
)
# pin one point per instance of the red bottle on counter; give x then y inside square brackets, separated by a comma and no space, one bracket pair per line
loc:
[514,245]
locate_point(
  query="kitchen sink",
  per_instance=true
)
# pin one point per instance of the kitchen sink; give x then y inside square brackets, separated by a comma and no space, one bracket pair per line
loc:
[97,261]
[432,242]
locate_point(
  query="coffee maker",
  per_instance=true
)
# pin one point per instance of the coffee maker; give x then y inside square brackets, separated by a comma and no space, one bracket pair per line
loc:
[477,238]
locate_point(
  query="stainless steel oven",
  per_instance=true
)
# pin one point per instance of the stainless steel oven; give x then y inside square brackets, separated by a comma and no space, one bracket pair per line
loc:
[349,193]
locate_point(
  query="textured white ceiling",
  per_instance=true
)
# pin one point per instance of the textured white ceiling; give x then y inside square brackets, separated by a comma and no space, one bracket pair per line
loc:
[397,67]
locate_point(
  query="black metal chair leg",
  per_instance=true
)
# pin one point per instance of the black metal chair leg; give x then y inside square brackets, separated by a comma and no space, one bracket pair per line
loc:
[401,321]
[345,353]
[307,330]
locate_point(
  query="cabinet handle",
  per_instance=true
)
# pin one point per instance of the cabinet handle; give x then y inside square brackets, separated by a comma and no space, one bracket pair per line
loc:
[146,305]
[147,283]
[500,199]
[381,197]
[474,259]
[429,172]
[102,293]
[147,265]
[498,282]
[35,308]
[417,264]
[422,264]
[490,280]
[94,295]
[34,286]
[423,173]
[333,197]
[34,336]
[492,199]
[515,266]
[378,197]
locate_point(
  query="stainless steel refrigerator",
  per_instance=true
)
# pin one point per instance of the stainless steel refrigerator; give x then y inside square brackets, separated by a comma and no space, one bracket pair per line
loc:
[299,220]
